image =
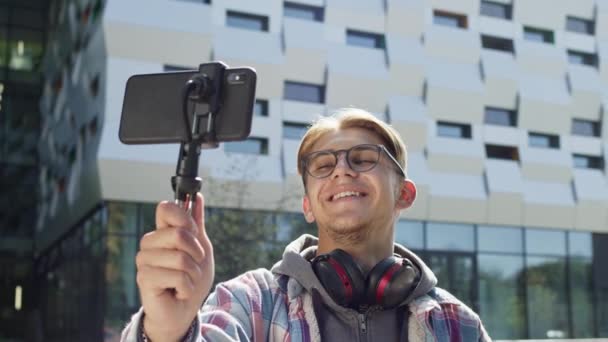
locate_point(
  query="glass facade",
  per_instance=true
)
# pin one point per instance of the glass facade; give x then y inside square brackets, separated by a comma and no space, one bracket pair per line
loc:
[525,283]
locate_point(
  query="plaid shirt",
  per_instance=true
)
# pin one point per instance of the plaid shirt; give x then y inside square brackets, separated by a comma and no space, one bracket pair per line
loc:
[260,306]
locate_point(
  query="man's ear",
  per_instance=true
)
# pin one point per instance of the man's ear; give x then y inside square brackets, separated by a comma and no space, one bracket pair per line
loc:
[307,210]
[407,195]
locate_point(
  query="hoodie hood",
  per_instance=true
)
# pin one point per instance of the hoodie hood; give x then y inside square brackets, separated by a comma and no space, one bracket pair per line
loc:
[297,267]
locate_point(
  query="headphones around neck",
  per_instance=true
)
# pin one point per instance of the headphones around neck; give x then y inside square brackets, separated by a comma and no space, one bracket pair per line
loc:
[388,284]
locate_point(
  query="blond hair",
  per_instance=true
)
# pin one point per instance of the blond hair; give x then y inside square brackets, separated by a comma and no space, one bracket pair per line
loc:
[352,118]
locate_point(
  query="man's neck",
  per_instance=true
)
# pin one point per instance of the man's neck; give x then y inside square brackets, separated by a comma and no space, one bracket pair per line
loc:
[366,253]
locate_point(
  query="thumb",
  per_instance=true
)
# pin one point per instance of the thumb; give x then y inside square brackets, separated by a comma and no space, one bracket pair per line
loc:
[199,218]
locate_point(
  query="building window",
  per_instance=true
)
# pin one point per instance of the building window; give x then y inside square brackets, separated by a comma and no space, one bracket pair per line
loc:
[453,130]
[538,35]
[500,116]
[584,58]
[306,92]
[580,25]
[588,162]
[365,39]
[260,108]
[294,130]
[247,21]
[496,43]
[502,152]
[249,146]
[496,10]
[543,140]
[585,127]
[450,19]
[301,11]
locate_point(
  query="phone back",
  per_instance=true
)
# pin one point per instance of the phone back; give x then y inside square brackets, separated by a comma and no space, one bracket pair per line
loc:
[152,108]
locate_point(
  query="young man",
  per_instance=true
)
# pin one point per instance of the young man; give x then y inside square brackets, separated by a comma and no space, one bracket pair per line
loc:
[351,284]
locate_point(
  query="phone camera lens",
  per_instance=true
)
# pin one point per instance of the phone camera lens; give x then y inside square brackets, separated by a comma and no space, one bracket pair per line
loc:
[236,78]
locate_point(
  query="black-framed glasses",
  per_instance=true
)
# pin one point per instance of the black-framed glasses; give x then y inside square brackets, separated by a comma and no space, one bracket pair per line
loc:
[360,158]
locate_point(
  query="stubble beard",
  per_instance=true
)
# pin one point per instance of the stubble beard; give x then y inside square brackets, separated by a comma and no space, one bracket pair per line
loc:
[346,234]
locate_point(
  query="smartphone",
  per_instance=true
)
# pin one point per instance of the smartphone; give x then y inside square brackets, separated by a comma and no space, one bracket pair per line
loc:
[152,111]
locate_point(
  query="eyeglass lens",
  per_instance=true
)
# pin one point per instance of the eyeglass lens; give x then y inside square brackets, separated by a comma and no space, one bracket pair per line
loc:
[360,158]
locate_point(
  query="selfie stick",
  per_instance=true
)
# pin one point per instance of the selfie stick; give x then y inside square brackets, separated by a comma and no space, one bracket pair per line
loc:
[204,90]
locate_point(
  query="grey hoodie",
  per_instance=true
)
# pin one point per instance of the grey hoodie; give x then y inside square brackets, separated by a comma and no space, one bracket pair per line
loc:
[338,323]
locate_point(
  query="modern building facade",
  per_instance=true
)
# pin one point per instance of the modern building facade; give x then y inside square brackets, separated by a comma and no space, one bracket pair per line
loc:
[501,104]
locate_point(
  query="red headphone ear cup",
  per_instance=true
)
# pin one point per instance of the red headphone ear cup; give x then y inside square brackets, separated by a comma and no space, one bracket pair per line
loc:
[341,277]
[391,281]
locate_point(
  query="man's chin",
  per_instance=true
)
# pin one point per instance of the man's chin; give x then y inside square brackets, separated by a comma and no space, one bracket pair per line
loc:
[348,230]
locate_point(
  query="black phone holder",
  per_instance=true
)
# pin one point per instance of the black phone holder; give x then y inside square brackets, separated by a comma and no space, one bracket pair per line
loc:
[204,90]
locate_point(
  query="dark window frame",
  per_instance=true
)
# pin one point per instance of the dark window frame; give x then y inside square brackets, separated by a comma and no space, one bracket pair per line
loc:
[552,140]
[320,98]
[461,20]
[487,8]
[465,131]
[262,20]
[263,147]
[593,127]
[317,13]
[585,58]
[573,22]
[547,36]
[592,162]
[511,116]
[296,126]
[497,43]
[263,105]
[378,39]
[503,152]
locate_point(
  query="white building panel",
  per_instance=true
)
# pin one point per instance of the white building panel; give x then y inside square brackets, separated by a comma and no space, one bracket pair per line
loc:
[551,165]
[505,188]
[305,50]
[548,204]
[296,111]
[417,171]
[498,27]
[454,154]
[586,92]
[503,135]
[500,76]
[540,58]
[157,44]
[591,188]
[405,18]
[602,47]
[360,82]
[361,15]
[457,198]
[452,44]
[581,9]
[601,20]
[544,104]
[544,14]
[454,91]
[406,61]
[408,117]
[582,145]
[579,42]
[177,15]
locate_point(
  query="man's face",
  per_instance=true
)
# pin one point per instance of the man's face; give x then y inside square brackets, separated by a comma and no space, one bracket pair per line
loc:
[348,202]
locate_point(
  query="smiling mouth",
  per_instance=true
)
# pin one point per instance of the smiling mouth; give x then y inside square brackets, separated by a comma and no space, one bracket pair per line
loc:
[347,194]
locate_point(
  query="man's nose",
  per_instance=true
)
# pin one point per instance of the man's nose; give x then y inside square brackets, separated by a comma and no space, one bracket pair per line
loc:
[342,168]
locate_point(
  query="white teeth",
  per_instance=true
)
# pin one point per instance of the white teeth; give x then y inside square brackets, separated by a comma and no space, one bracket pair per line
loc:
[345,194]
